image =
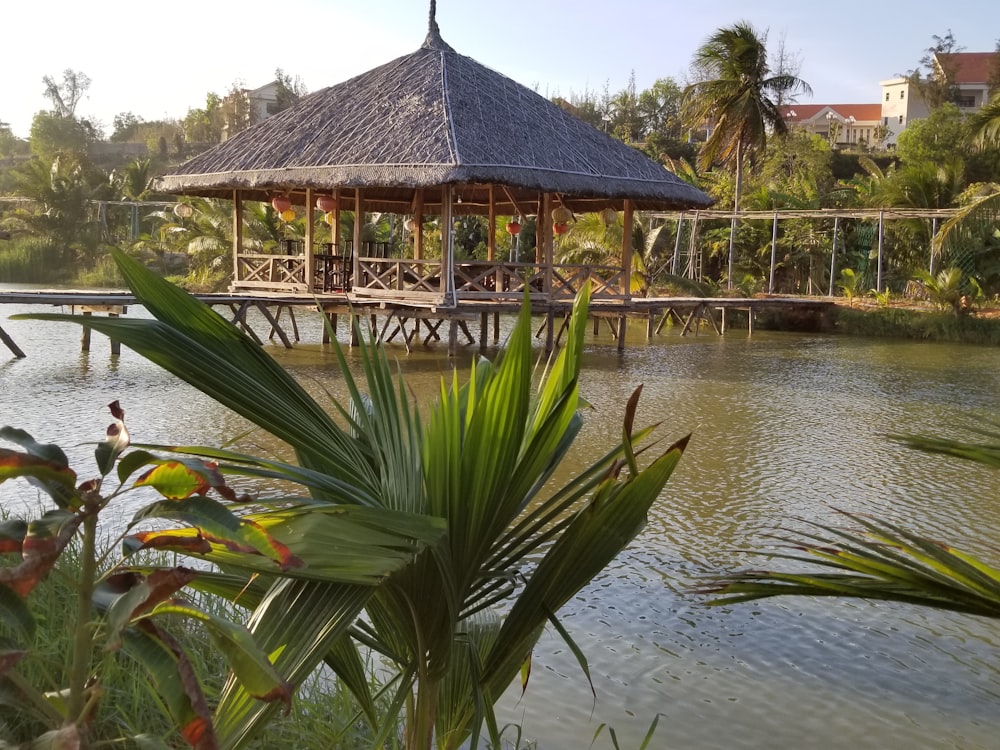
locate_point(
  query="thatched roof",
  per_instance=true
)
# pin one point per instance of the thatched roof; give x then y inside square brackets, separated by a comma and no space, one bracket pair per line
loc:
[424,120]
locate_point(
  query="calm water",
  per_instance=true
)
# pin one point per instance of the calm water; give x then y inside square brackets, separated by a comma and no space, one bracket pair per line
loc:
[785,428]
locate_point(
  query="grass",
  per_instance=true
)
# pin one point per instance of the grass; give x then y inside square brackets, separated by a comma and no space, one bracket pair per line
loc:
[32,260]
[890,322]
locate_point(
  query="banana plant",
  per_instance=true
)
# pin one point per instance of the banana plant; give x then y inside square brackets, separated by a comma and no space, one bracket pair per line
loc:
[457,622]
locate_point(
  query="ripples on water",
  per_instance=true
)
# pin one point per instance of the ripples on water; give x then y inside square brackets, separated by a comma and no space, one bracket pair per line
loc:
[785,427]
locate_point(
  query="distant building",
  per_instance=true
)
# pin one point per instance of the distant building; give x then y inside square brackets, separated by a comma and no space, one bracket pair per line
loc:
[247,107]
[844,125]
[968,73]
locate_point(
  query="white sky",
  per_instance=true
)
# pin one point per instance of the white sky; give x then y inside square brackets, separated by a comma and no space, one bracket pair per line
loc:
[157,60]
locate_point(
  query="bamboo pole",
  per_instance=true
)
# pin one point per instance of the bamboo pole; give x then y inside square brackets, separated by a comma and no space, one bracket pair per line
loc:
[881,246]
[418,218]
[359,220]
[774,253]
[448,253]
[675,263]
[491,233]
[833,253]
[934,231]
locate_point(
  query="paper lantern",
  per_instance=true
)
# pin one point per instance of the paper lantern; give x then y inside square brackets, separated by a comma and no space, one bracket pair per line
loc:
[326,203]
[288,215]
[561,215]
[410,225]
[560,227]
[183,211]
[513,228]
[281,203]
[328,218]
[608,217]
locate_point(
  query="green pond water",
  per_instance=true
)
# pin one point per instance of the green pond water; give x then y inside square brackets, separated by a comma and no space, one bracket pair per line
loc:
[785,428]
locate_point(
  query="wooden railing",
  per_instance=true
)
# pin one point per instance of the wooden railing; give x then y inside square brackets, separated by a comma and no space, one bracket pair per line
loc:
[421,279]
[279,272]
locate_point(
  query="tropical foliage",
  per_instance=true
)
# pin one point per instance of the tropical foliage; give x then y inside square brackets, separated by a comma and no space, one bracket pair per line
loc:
[458,623]
[879,560]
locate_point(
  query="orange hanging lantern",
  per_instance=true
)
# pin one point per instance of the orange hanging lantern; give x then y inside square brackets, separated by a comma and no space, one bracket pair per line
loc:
[281,203]
[326,203]
[514,228]
[328,218]
[560,227]
[288,215]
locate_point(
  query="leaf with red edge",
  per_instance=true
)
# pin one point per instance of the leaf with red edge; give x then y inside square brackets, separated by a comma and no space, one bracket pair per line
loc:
[174,481]
[55,478]
[174,680]
[178,540]
[216,522]
[128,595]
[12,533]
[249,663]
[46,539]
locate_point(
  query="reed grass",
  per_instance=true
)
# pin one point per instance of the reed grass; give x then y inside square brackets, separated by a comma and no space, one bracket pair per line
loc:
[32,260]
[919,325]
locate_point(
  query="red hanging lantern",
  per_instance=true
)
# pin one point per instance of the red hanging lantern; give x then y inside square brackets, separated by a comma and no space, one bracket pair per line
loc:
[560,227]
[281,203]
[514,227]
[326,203]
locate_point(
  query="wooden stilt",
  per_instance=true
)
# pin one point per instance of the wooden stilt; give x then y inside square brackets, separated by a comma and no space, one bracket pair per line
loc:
[484,324]
[14,348]
[452,337]
[116,346]
[549,332]
[622,323]
[85,335]
[496,328]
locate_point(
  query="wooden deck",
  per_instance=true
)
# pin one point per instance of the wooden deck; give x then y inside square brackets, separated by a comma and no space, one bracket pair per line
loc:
[414,321]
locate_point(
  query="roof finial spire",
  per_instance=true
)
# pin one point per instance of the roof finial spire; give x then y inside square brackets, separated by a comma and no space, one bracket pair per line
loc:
[434,40]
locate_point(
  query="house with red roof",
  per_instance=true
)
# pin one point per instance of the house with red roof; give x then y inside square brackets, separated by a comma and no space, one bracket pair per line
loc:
[970,74]
[844,125]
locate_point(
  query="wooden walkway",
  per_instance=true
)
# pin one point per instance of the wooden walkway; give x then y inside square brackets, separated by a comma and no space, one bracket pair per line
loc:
[412,323]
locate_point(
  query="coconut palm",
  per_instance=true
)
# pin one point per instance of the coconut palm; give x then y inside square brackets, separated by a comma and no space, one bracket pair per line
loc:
[457,624]
[984,125]
[735,99]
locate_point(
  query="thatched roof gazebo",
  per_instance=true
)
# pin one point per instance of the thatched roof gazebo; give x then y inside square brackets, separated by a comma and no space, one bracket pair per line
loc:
[432,133]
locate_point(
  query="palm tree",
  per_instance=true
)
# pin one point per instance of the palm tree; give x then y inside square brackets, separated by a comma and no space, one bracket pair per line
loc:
[736,100]
[879,560]
[459,621]
[984,125]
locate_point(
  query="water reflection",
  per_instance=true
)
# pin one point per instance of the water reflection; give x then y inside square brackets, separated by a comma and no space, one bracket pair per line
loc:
[784,427]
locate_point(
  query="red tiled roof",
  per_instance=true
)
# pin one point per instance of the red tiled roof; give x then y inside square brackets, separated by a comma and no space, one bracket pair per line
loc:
[860,112]
[968,67]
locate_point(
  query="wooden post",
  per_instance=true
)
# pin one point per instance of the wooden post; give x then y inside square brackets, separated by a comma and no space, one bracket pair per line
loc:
[335,240]
[622,326]
[627,249]
[116,345]
[550,325]
[418,217]
[732,250]
[237,233]
[484,327]
[934,230]
[491,230]
[496,328]
[452,337]
[310,264]
[10,344]
[447,248]
[85,335]
[359,220]
[548,242]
